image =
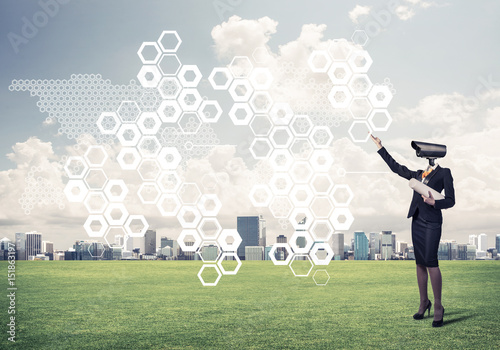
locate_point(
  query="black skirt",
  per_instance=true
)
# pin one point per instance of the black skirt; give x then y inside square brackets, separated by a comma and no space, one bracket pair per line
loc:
[425,236]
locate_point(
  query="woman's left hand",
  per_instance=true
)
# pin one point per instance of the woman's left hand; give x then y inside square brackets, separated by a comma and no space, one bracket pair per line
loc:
[429,200]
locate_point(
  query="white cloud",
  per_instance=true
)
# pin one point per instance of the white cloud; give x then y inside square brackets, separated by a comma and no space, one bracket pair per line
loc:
[359,11]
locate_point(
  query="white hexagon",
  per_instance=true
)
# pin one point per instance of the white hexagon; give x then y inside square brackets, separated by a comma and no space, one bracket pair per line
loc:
[96,179]
[321,160]
[149,57]
[186,233]
[169,111]
[190,99]
[321,230]
[324,279]
[128,111]
[128,158]
[360,85]
[235,257]
[260,195]
[189,193]
[341,219]
[241,114]
[301,125]
[360,131]
[169,158]
[340,49]
[260,55]
[281,160]
[220,78]
[301,195]
[319,61]
[234,236]
[116,190]
[149,123]
[169,181]
[281,113]
[149,169]
[360,61]
[261,102]
[189,216]
[189,123]
[149,76]
[281,137]
[360,37]
[321,184]
[210,111]
[209,284]
[169,204]
[149,193]
[329,253]
[360,108]
[241,66]
[76,167]
[149,146]
[301,219]
[261,125]
[190,75]
[169,88]
[301,171]
[209,204]
[203,245]
[75,190]
[380,120]
[321,207]
[108,123]
[169,41]
[380,96]
[306,259]
[261,78]
[261,148]
[281,183]
[240,90]
[129,135]
[339,73]
[93,232]
[281,207]
[342,195]
[133,228]
[272,253]
[112,218]
[321,137]
[95,202]
[209,228]
[340,96]
[96,156]
[301,148]
[169,64]
[109,238]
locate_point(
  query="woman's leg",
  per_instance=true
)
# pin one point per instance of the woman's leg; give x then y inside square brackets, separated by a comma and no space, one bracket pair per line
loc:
[437,285]
[422,287]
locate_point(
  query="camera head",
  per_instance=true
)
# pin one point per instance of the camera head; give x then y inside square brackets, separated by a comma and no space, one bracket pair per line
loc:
[430,151]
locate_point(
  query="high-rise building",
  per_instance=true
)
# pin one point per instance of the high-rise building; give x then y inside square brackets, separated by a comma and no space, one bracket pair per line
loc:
[266,252]
[21,246]
[119,240]
[33,243]
[374,247]
[386,249]
[482,242]
[444,251]
[150,242]
[360,246]
[165,241]
[401,246]
[254,253]
[471,252]
[393,243]
[462,252]
[338,246]
[281,253]
[262,231]
[47,247]
[497,243]
[249,229]
[4,248]
[473,240]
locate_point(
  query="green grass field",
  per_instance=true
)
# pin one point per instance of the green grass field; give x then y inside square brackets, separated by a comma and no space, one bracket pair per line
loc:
[162,305]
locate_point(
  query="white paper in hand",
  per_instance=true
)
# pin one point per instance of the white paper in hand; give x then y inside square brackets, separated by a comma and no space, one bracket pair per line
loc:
[423,189]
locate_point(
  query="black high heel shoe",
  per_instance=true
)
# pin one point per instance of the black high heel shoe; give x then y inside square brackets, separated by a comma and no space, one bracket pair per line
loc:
[438,323]
[418,316]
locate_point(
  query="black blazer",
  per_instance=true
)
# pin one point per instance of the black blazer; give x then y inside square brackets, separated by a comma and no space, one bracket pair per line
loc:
[438,179]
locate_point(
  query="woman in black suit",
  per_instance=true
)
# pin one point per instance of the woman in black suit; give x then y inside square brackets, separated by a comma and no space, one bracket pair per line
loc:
[426,228]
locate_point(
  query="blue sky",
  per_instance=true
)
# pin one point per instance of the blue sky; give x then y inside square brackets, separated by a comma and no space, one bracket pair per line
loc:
[444,48]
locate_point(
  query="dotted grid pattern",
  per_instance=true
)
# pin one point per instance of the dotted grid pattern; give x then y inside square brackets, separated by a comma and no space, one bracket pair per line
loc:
[165,121]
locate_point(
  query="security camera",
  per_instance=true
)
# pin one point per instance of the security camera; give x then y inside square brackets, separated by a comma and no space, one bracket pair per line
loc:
[431,151]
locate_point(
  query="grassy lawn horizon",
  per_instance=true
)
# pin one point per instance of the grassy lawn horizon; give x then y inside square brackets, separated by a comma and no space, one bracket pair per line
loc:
[163,305]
